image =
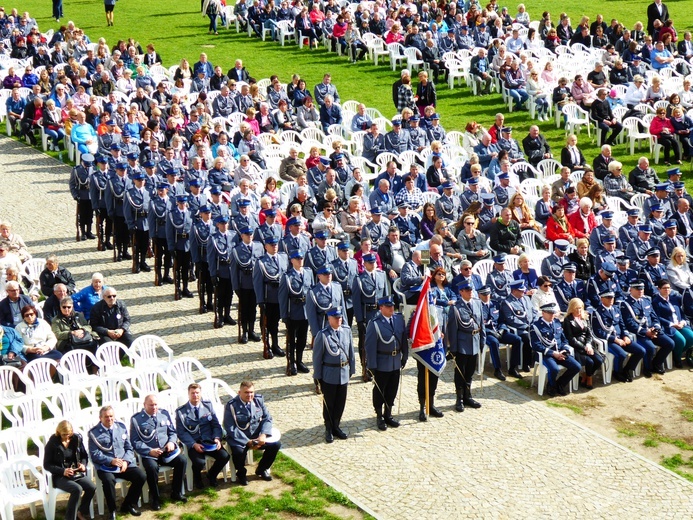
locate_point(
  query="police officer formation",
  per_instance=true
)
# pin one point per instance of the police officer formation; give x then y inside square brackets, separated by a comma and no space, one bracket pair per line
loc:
[159,440]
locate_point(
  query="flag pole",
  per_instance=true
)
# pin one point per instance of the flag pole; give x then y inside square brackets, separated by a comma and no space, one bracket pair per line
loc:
[428,401]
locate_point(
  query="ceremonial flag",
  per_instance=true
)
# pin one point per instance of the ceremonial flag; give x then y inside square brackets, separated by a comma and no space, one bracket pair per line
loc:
[427,341]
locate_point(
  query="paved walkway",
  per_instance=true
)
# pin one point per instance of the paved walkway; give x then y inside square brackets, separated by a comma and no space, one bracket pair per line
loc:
[512,458]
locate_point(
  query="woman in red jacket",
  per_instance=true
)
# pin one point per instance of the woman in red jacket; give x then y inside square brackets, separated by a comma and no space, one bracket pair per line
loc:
[583,220]
[558,226]
[663,130]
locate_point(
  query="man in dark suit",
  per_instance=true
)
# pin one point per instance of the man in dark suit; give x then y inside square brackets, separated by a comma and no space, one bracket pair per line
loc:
[600,164]
[11,306]
[683,217]
[685,47]
[110,319]
[601,112]
[657,10]
[238,72]
[393,254]
[53,274]
[535,146]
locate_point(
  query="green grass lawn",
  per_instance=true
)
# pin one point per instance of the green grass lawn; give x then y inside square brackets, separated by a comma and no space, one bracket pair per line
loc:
[181,31]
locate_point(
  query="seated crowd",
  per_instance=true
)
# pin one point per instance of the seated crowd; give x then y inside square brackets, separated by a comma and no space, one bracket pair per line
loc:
[189,163]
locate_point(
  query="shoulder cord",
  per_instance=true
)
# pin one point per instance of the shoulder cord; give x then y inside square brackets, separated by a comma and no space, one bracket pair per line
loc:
[548,344]
[273,278]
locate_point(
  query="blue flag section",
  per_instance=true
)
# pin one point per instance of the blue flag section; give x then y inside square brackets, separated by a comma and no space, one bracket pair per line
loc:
[427,341]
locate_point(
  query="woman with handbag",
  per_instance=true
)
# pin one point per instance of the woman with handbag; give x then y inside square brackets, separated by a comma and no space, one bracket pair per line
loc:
[72,330]
[577,331]
[66,459]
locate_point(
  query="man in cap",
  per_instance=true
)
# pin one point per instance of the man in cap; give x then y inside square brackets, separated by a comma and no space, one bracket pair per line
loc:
[488,214]
[243,258]
[320,254]
[466,334]
[470,194]
[295,240]
[509,144]
[641,320]
[568,287]
[552,265]
[517,314]
[270,228]
[629,231]
[496,333]
[408,223]
[202,231]
[397,140]
[98,185]
[244,218]
[606,228]
[448,206]
[344,272]
[117,186]
[80,180]
[660,196]
[219,257]
[198,427]
[652,272]
[333,365]
[609,253]
[111,453]
[637,249]
[153,436]
[178,230]
[367,289]
[670,240]
[548,339]
[498,279]
[601,281]
[294,287]
[656,222]
[377,228]
[248,426]
[624,274]
[323,296]
[608,325]
[136,210]
[386,355]
[159,207]
[267,274]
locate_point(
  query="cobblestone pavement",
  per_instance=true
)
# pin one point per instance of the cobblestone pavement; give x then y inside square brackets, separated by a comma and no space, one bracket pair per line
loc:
[512,458]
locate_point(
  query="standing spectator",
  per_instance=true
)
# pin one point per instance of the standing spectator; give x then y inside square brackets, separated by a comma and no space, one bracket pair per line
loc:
[657,10]
[109,6]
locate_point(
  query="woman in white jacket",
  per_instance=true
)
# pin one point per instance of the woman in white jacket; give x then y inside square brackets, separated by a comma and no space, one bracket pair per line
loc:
[679,274]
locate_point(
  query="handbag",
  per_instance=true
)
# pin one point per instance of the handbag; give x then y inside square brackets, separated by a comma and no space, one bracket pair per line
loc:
[85,340]
[16,362]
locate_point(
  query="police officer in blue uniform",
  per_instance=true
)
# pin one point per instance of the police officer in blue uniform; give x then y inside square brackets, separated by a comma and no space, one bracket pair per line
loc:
[118,184]
[608,253]
[466,334]
[154,438]
[624,274]
[157,216]
[656,221]
[136,211]
[97,194]
[638,248]
[660,196]
[344,272]
[80,179]
[151,179]
[397,139]
[489,212]
[376,229]
[333,365]
[670,240]
[320,254]
[607,324]
[196,198]
[367,289]
[270,228]
[387,350]
[517,314]
[407,223]
[112,454]
[244,218]
[198,428]
[178,229]
[502,191]
[448,206]
[552,265]
[652,272]
[470,195]
[629,231]
[640,319]
[323,296]
[267,273]
[248,426]
[499,279]
[219,253]
[568,287]
[602,231]
[293,292]
[601,281]
[243,258]
[496,333]
[548,339]
[294,240]
[202,230]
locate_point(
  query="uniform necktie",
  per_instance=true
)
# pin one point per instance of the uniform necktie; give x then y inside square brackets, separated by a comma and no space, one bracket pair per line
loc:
[154,420]
[197,413]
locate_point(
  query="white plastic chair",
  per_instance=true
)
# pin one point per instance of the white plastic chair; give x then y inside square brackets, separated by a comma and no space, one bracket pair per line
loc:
[215,390]
[548,167]
[543,374]
[631,126]
[108,356]
[16,493]
[530,238]
[111,389]
[39,372]
[68,401]
[7,391]
[73,368]
[413,61]
[286,31]
[182,372]
[483,268]
[397,54]
[407,309]
[576,117]
[430,196]
[28,413]
[31,269]
[144,352]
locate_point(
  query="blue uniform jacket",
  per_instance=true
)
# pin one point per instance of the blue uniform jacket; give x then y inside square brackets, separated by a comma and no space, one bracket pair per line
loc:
[565,292]
[366,292]
[219,250]
[293,293]
[178,229]
[243,258]
[199,239]
[465,330]
[267,274]
[106,445]
[607,324]
[136,209]
[146,434]
[333,355]
[157,217]
[117,186]
[387,347]
[321,299]
[517,314]
[246,421]
[316,257]
[196,431]
[548,338]
[639,315]
[344,274]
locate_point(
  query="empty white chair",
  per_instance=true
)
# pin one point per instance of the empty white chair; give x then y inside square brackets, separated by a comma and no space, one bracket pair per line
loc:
[183,370]
[144,352]
[109,358]
[16,493]
[73,368]
[217,391]
[8,377]
[483,268]
[28,412]
[407,309]
[38,372]
[111,390]
[576,117]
